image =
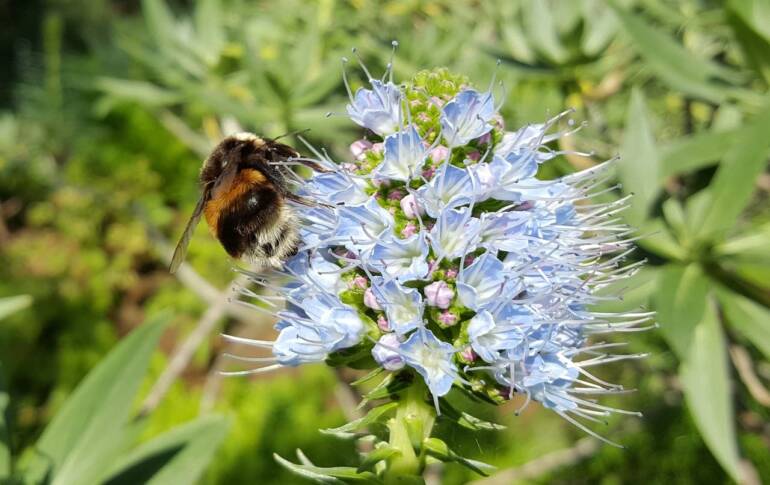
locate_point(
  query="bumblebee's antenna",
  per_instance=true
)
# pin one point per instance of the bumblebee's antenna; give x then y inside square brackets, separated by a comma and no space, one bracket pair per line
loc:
[291,133]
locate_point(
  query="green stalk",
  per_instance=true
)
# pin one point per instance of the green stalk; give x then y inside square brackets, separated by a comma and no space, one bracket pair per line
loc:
[411,425]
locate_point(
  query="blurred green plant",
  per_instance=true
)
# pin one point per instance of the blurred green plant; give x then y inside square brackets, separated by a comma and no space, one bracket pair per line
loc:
[105,119]
[92,439]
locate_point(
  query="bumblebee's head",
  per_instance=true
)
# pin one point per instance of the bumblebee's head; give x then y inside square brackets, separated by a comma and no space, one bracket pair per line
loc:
[246,151]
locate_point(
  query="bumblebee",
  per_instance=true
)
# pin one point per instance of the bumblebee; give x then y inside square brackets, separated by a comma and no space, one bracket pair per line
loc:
[245,186]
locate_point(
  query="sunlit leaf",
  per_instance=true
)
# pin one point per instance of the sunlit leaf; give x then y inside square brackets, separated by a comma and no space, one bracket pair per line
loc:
[13,304]
[694,152]
[733,185]
[638,166]
[85,435]
[177,456]
[751,319]
[680,302]
[751,245]
[373,416]
[439,449]
[339,474]
[674,64]
[706,384]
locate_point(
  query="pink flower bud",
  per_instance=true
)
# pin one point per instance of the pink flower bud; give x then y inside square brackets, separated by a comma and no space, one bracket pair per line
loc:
[359,147]
[383,324]
[370,300]
[378,147]
[485,138]
[451,273]
[447,318]
[439,154]
[438,294]
[428,173]
[349,167]
[359,282]
[469,259]
[395,195]
[474,155]
[409,230]
[437,101]
[468,355]
[410,207]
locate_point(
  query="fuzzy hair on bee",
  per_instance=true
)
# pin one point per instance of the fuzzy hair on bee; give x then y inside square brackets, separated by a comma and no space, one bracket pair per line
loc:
[244,192]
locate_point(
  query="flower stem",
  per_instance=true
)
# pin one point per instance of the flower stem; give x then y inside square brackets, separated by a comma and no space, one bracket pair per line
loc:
[411,425]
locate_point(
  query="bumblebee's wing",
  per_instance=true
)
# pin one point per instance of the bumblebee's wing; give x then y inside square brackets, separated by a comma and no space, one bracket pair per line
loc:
[184,241]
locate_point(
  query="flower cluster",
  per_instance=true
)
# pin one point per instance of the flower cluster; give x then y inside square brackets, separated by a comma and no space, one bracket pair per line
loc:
[435,250]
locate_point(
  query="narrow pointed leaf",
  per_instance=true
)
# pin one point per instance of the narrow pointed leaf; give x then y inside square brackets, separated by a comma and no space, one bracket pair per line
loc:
[85,435]
[706,383]
[680,303]
[177,456]
[438,449]
[461,418]
[638,166]
[733,185]
[380,454]
[752,245]
[373,416]
[751,319]
[338,474]
[673,63]
[694,152]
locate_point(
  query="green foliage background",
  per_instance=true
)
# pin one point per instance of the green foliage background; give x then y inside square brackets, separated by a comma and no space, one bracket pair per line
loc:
[108,106]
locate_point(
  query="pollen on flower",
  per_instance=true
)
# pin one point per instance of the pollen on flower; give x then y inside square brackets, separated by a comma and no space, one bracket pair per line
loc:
[463,268]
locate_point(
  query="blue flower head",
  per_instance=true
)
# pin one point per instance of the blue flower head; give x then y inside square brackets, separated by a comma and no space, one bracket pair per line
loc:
[433,263]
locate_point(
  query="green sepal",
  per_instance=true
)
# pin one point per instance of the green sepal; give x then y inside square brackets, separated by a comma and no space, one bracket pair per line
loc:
[336,474]
[347,430]
[438,449]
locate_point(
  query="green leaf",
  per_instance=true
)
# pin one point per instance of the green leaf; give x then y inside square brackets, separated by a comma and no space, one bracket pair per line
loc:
[752,245]
[461,418]
[636,291]
[706,383]
[638,166]
[337,475]
[142,92]
[13,304]
[694,152]
[755,47]
[86,434]
[438,449]
[379,454]
[674,64]
[751,319]
[756,14]
[680,303]
[733,185]
[373,416]
[6,456]
[659,240]
[177,456]
[541,31]
[210,30]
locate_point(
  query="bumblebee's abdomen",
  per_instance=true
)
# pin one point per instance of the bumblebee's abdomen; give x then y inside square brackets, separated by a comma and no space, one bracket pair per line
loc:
[255,224]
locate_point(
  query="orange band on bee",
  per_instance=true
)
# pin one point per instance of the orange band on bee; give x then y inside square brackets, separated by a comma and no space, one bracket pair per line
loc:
[244,181]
